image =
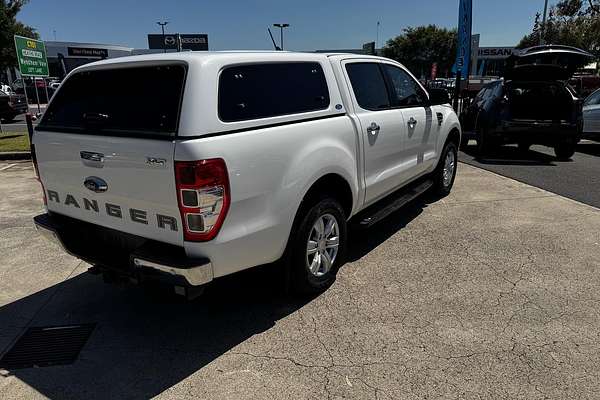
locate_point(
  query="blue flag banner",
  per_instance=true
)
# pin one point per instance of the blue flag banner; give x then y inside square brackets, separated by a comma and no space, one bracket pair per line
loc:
[463,52]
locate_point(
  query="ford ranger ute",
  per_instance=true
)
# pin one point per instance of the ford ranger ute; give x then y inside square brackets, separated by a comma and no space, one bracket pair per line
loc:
[206,164]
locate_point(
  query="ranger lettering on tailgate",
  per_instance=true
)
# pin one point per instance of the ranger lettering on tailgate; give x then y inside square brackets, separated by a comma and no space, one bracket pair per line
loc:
[113,210]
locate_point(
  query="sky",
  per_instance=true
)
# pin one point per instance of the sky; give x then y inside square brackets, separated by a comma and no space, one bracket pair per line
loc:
[315,24]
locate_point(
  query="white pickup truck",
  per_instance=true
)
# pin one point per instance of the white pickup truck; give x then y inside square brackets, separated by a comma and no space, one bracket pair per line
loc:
[205,164]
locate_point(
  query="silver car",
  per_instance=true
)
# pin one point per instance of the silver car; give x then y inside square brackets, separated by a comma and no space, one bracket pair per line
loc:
[591,115]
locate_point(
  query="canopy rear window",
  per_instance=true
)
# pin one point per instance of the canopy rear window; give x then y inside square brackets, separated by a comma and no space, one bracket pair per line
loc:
[123,101]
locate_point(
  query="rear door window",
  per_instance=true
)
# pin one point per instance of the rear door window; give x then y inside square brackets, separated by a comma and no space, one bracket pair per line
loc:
[368,85]
[131,100]
[256,91]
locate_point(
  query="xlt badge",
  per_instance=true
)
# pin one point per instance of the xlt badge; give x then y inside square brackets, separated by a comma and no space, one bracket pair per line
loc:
[95,184]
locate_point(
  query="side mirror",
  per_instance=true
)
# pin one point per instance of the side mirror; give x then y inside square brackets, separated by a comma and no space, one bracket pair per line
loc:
[438,97]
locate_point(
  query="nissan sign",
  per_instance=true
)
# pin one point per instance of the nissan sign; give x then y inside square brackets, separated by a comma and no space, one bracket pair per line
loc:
[491,53]
[193,41]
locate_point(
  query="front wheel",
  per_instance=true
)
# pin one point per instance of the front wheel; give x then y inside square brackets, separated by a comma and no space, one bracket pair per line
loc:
[318,247]
[564,151]
[445,173]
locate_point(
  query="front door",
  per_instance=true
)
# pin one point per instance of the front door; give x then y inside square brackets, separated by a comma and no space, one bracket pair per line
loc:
[382,128]
[419,151]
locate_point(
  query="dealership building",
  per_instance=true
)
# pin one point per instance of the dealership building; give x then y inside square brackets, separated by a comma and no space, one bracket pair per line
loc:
[65,56]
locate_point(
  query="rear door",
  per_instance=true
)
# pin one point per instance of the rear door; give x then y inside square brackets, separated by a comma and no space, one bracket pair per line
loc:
[382,128]
[105,148]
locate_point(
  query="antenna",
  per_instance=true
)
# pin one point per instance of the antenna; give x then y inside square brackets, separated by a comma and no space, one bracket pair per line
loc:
[273,40]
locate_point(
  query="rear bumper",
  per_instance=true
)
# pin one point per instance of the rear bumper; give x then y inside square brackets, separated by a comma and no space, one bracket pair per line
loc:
[141,258]
[536,132]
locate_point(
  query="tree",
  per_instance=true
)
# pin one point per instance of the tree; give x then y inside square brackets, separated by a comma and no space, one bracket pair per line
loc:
[570,22]
[9,26]
[419,47]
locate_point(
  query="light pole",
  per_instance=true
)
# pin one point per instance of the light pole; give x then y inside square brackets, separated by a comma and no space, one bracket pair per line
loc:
[281,26]
[543,30]
[162,27]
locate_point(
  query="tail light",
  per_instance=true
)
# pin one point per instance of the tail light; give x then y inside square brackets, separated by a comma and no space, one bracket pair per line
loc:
[33,155]
[203,195]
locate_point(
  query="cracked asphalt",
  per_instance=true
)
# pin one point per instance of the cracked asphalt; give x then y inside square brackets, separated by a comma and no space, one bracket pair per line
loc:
[490,293]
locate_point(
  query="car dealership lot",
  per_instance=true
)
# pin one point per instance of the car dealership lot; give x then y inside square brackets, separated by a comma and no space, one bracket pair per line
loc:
[489,293]
[577,179]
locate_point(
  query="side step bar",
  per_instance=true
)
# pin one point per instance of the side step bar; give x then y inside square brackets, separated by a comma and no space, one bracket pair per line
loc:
[382,209]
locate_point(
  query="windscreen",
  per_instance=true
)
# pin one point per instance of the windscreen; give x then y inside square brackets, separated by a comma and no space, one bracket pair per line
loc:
[132,100]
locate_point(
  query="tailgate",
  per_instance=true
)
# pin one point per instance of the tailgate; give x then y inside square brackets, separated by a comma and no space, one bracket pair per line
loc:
[126,184]
[105,156]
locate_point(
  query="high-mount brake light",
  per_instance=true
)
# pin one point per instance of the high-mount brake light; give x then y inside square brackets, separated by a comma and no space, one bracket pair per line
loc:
[204,197]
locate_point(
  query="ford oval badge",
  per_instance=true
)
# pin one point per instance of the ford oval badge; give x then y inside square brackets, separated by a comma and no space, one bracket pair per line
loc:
[95,184]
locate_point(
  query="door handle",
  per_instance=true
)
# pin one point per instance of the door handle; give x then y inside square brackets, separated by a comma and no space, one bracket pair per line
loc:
[412,123]
[373,128]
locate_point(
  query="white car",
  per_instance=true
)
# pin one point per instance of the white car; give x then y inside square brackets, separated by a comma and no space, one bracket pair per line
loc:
[210,163]
[591,115]
[6,89]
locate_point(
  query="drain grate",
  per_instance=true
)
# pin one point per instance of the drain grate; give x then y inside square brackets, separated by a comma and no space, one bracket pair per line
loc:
[47,346]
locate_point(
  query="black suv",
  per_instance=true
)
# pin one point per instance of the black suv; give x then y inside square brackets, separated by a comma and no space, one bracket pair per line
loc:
[533,104]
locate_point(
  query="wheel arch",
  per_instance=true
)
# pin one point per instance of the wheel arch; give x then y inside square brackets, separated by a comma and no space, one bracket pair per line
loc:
[334,185]
[454,136]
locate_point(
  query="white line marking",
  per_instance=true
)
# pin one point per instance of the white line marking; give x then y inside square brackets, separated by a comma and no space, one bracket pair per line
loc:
[7,167]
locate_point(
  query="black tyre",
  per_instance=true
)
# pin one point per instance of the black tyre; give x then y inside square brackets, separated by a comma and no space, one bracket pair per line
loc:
[483,145]
[445,172]
[564,151]
[524,147]
[318,246]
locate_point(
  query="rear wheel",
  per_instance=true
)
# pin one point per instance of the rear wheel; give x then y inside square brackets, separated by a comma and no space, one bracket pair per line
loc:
[483,143]
[564,151]
[445,173]
[318,246]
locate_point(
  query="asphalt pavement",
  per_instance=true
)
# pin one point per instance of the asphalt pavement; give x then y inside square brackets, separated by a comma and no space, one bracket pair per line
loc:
[19,121]
[578,179]
[490,293]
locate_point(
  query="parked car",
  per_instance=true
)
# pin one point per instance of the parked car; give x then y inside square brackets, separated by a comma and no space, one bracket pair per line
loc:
[591,116]
[5,88]
[270,165]
[533,104]
[54,84]
[586,84]
[42,85]
[11,105]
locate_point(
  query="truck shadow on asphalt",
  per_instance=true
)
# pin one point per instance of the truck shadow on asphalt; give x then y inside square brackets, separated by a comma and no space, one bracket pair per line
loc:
[365,240]
[508,155]
[146,341]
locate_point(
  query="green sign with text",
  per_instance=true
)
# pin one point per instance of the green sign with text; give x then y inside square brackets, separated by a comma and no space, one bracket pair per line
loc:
[31,55]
